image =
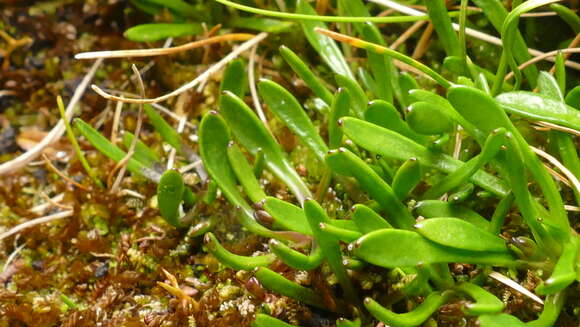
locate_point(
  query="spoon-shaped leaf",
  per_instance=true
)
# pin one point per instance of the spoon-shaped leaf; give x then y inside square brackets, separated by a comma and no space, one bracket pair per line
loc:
[564,272]
[573,98]
[169,194]
[485,302]
[393,145]
[159,31]
[438,209]
[500,320]
[384,114]
[234,261]
[549,87]
[406,178]
[535,106]
[285,106]
[339,233]
[339,108]
[252,134]
[428,119]
[456,233]
[344,162]
[410,319]
[214,138]
[367,220]
[280,284]
[234,78]
[325,46]
[329,245]
[296,259]
[492,145]
[244,173]
[392,248]
[309,78]
[286,215]
[358,97]
[114,152]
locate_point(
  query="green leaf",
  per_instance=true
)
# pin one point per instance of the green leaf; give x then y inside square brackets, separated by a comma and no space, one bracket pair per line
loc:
[214,138]
[384,114]
[286,215]
[160,31]
[325,46]
[252,134]
[234,261]
[438,209]
[358,97]
[142,152]
[296,259]
[539,107]
[573,98]
[329,245]
[549,87]
[344,162]
[393,145]
[169,195]
[459,234]
[112,151]
[339,108]
[244,173]
[263,320]
[410,319]
[380,65]
[428,119]
[279,284]
[286,108]
[367,220]
[267,25]
[485,302]
[499,320]
[306,74]
[392,248]
[234,78]
[564,272]
[442,23]
[406,178]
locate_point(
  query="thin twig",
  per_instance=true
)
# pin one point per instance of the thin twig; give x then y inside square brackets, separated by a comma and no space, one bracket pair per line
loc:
[407,34]
[36,221]
[116,121]
[62,175]
[56,132]
[423,43]
[41,208]
[12,256]
[164,51]
[540,58]
[548,126]
[138,126]
[202,77]
[571,177]
[189,167]
[509,282]
[252,82]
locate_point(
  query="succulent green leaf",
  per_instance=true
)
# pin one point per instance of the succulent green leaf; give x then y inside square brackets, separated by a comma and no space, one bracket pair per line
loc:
[406,178]
[499,320]
[339,108]
[286,215]
[142,152]
[244,173]
[252,134]
[160,31]
[428,119]
[280,284]
[358,96]
[438,209]
[392,248]
[306,74]
[234,78]
[564,272]
[344,162]
[296,259]
[384,114]
[367,220]
[169,195]
[459,234]
[114,152]
[268,25]
[285,106]
[263,320]
[393,145]
[410,319]
[234,261]
[485,302]
[325,46]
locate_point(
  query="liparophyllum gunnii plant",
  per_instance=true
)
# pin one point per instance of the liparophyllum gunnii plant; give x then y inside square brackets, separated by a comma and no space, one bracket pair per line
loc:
[444,189]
